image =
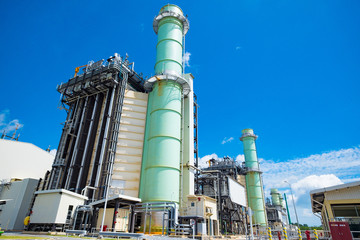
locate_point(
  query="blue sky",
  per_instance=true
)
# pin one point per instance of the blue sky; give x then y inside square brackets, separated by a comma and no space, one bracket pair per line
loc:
[288,69]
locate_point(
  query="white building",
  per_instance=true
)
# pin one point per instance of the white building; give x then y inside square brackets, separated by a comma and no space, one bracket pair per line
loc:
[23,160]
[21,166]
[15,199]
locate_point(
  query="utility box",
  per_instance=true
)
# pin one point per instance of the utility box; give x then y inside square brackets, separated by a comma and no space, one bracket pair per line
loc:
[206,208]
[121,219]
[54,208]
[340,231]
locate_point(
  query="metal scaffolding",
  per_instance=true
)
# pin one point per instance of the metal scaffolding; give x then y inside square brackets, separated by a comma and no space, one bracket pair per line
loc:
[93,101]
[213,182]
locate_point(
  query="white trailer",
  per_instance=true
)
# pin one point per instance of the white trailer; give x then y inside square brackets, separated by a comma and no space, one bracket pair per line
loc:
[53,209]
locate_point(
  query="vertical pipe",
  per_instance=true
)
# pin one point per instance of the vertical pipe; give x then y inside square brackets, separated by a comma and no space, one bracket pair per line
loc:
[102,153]
[116,209]
[182,152]
[287,209]
[115,128]
[250,213]
[253,178]
[87,144]
[92,168]
[74,155]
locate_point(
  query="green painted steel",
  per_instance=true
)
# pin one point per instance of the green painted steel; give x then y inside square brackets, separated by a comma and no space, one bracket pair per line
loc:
[162,165]
[287,209]
[169,46]
[282,201]
[160,173]
[254,185]
[275,197]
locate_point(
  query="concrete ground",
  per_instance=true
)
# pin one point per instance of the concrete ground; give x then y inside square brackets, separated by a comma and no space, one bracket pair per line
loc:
[45,235]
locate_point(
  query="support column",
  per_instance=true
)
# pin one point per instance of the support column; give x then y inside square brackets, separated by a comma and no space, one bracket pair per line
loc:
[116,209]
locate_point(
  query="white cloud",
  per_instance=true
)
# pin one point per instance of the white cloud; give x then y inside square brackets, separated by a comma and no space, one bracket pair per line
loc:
[306,174]
[226,140]
[8,126]
[275,173]
[309,173]
[204,161]
[186,59]
[312,182]
[240,158]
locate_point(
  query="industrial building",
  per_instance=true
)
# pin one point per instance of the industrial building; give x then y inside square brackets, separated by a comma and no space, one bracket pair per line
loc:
[27,155]
[338,203]
[127,160]
[16,196]
[127,143]
[220,181]
[276,210]
[18,184]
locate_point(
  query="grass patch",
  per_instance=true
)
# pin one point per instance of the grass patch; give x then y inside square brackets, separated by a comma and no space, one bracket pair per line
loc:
[21,237]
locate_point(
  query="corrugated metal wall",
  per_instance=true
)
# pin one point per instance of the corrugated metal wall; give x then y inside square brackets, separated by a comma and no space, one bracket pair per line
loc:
[347,193]
[126,171]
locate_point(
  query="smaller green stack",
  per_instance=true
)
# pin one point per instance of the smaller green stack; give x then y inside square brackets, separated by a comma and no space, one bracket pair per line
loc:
[275,197]
[254,186]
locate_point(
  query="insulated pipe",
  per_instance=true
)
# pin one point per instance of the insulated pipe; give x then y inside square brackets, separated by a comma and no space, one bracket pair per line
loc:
[254,185]
[74,155]
[106,132]
[160,174]
[92,168]
[87,143]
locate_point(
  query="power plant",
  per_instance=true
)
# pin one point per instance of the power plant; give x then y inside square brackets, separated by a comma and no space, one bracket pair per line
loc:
[127,162]
[126,142]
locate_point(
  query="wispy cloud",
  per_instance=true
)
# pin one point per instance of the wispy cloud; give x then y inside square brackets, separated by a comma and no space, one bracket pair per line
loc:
[344,163]
[238,48]
[6,125]
[186,59]
[226,140]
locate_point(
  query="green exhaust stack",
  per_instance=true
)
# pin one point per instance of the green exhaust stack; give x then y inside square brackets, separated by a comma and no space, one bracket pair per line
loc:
[160,171]
[254,184]
[275,197]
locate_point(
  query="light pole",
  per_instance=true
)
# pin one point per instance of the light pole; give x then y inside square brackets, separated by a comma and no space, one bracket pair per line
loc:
[292,196]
